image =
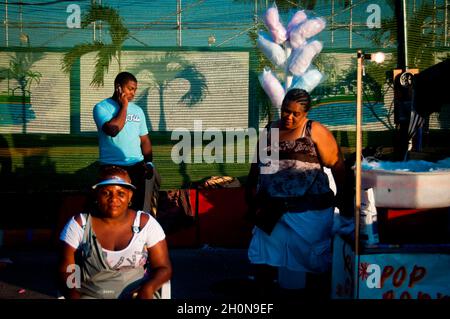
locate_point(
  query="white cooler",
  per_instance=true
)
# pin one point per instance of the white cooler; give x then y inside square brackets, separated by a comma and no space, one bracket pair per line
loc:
[403,189]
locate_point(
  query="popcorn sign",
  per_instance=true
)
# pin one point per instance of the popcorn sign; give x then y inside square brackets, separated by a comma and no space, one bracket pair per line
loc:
[404,276]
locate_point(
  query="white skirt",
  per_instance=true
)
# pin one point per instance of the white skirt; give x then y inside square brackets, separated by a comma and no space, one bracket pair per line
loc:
[299,242]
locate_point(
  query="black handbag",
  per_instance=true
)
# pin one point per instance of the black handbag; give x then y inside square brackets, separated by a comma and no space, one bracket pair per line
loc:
[267,213]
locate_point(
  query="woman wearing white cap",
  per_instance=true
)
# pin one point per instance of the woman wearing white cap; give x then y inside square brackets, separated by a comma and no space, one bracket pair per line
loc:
[113,251]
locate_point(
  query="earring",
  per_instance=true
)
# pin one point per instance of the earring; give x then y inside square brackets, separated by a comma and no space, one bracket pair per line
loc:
[129,203]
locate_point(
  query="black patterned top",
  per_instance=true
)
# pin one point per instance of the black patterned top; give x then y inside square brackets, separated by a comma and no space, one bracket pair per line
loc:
[297,171]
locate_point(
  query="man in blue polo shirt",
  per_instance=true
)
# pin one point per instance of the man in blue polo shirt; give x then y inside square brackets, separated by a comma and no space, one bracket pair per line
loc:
[123,135]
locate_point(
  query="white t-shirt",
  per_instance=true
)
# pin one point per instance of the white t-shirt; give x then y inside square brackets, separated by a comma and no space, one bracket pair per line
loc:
[134,255]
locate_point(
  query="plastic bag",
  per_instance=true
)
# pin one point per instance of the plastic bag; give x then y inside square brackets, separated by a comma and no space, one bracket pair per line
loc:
[308,81]
[301,33]
[301,58]
[368,218]
[271,50]
[272,87]
[275,26]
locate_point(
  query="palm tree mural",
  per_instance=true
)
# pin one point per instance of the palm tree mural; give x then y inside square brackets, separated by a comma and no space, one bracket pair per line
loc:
[20,70]
[160,72]
[105,52]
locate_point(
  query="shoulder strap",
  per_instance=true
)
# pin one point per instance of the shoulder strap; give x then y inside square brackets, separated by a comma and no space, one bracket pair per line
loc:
[83,218]
[269,130]
[268,127]
[137,222]
[308,128]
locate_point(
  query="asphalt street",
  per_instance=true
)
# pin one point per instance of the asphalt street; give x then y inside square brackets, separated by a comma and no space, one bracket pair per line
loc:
[203,273]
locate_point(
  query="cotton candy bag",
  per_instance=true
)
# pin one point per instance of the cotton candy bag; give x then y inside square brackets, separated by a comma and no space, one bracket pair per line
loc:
[274,25]
[272,87]
[308,81]
[274,52]
[301,58]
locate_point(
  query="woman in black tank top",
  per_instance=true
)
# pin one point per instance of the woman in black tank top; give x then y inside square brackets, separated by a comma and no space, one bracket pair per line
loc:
[296,184]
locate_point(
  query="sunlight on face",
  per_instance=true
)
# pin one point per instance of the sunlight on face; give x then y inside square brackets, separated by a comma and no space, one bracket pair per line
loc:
[292,115]
[129,89]
[113,200]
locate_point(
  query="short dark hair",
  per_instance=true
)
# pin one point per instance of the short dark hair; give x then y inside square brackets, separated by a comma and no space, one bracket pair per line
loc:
[123,78]
[298,95]
[110,170]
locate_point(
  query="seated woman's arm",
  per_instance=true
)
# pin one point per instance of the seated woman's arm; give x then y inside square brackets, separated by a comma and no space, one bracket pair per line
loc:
[161,270]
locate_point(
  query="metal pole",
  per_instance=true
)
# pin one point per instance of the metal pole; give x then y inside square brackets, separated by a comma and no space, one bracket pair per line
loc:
[179,23]
[93,24]
[255,14]
[100,24]
[434,23]
[332,21]
[405,33]
[358,162]
[350,27]
[21,17]
[6,24]
[197,215]
[445,22]
[288,75]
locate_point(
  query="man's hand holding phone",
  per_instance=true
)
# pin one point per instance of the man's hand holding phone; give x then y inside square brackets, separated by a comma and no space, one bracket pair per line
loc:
[121,97]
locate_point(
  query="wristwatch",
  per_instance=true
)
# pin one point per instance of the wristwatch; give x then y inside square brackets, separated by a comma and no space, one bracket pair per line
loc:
[150,164]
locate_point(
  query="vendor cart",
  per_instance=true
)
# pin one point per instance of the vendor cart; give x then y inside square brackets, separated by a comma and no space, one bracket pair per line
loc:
[390,271]
[411,257]
[398,265]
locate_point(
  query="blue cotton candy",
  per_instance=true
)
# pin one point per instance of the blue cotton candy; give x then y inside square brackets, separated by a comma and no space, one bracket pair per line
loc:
[274,52]
[407,166]
[308,81]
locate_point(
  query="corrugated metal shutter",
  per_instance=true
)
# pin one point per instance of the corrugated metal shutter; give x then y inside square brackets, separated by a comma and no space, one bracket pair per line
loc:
[225,100]
[47,100]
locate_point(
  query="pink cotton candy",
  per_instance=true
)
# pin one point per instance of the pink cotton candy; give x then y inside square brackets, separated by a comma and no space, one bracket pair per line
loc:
[296,38]
[298,18]
[301,58]
[272,87]
[276,28]
[312,27]
[299,35]
[274,52]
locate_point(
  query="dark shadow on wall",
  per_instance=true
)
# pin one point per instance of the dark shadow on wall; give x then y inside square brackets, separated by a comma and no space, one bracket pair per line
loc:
[24,191]
[186,179]
[31,187]
[164,71]
[222,169]
[342,138]
[5,160]
[142,101]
